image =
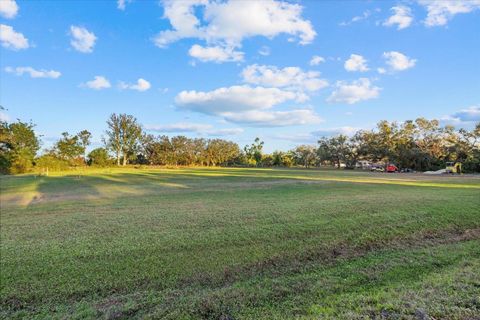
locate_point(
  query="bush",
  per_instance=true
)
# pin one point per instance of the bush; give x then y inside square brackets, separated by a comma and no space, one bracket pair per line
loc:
[99,157]
[51,162]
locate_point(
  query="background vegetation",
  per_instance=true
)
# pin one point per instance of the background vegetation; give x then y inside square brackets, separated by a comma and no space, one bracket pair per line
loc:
[417,145]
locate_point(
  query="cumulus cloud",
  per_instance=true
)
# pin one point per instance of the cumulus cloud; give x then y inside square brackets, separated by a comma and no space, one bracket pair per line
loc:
[398,61]
[11,39]
[8,9]
[184,127]
[233,99]
[228,23]
[98,83]
[356,63]
[247,105]
[439,12]
[316,60]
[289,77]
[141,85]
[402,17]
[356,91]
[42,73]
[82,39]
[216,53]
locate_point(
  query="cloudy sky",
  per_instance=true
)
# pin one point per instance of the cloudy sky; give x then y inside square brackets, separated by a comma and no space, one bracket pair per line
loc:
[286,71]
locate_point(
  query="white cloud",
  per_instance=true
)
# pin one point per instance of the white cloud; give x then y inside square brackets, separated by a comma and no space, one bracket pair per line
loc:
[247,105]
[98,83]
[316,60]
[398,61]
[194,127]
[216,53]
[8,9]
[264,51]
[356,63]
[233,99]
[354,92]
[141,85]
[402,17]
[381,70]
[11,39]
[228,23]
[465,118]
[467,115]
[82,39]
[258,118]
[121,4]
[289,77]
[42,73]
[441,11]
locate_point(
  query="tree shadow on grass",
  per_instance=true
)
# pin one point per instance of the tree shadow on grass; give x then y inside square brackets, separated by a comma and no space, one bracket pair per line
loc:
[90,187]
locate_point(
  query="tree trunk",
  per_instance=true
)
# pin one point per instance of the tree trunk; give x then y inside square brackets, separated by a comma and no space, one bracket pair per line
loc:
[124,159]
[118,158]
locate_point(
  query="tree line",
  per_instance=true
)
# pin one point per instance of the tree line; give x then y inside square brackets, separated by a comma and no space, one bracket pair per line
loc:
[418,145]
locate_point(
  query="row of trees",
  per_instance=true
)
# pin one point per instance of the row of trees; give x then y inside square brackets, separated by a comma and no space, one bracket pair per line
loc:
[417,145]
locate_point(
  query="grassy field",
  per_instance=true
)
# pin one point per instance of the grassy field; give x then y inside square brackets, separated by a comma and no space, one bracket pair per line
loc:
[239,244]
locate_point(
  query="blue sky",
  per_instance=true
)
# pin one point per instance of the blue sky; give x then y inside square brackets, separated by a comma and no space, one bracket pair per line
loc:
[286,71]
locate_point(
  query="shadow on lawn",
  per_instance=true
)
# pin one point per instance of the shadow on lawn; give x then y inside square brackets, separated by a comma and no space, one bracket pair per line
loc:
[105,186]
[113,184]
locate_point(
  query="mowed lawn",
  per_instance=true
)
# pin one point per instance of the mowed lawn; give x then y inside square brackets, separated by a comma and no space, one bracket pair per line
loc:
[229,243]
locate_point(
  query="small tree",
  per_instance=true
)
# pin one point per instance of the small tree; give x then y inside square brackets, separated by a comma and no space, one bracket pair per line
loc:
[18,146]
[99,157]
[69,148]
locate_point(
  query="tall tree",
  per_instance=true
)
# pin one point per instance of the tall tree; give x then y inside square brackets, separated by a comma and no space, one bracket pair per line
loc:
[254,152]
[334,149]
[123,136]
[84,137]
[305,155]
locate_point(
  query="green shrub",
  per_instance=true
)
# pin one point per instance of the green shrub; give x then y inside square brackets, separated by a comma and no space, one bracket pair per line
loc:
[51,162]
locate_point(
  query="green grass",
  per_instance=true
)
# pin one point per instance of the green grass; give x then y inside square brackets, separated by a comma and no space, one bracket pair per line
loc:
[239,244]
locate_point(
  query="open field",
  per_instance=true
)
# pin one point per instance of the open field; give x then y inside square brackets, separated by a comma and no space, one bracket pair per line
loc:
[239,244]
